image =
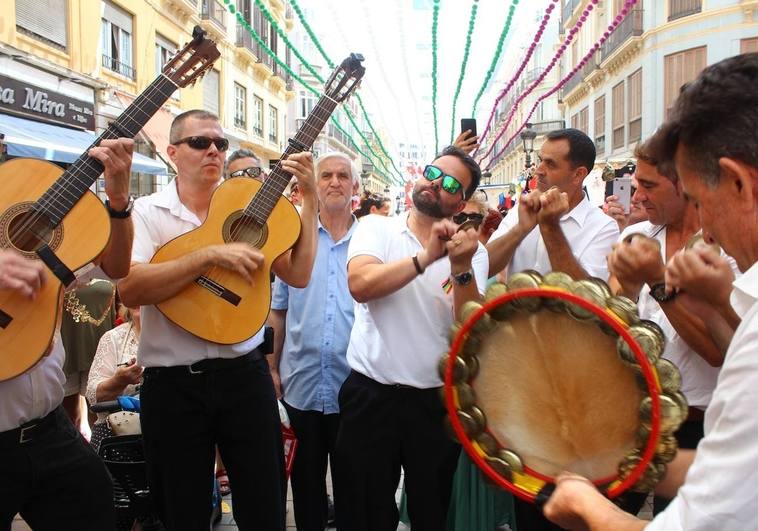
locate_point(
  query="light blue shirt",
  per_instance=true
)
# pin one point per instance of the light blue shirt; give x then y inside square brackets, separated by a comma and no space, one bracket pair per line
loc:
[313,365]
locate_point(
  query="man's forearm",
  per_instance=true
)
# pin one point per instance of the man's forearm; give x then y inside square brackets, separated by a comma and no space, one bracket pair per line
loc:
[694,332]
[295,267]
[117,256]
[373,281]
[501,250]
[559,252]
[276,320]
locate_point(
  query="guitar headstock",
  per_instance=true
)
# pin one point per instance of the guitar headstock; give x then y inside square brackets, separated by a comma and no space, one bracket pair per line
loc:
[345,78]
[191,62]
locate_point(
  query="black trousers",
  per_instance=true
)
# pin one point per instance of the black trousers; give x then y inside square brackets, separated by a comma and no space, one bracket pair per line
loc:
[184,416]
[384,428]
[56,481]
[316,440]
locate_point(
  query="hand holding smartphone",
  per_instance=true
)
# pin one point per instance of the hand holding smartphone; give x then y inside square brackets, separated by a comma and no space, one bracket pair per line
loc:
[622,189]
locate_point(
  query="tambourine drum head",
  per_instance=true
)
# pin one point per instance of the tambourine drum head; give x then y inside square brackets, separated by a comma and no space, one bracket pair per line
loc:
[555,391]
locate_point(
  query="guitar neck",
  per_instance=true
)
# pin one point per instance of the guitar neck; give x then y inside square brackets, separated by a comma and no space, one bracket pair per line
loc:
[61,197]
[263,203]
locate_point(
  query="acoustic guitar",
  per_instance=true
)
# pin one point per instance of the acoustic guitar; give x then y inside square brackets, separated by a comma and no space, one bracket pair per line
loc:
[51,215]
[220,306]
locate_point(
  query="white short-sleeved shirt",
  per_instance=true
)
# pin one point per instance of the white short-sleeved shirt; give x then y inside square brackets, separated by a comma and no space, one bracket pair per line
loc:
[399,339]
[719,490]
[698,377]
[590,234]
[159,218]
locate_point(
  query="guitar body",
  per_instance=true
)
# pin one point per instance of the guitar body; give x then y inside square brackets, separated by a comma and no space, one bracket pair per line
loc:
[78,240]
[241,310]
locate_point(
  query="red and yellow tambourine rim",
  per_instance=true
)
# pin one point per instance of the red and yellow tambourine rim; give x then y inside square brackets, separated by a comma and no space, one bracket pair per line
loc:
[617,486]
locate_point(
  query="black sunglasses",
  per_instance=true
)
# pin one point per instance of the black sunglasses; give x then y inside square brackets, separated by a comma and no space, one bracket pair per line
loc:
[449,183]
[252,171]
[204,142]
[463,217]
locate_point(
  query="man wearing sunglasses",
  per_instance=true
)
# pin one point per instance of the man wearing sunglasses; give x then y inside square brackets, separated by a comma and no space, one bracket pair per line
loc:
[410,275]
[245,163]
[197,395]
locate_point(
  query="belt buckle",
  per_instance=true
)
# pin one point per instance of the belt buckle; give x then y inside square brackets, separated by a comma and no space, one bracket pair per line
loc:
[194,371]
[22,438]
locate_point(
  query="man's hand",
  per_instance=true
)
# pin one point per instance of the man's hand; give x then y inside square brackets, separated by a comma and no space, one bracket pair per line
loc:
[21,274]
[702,273]
[528,211]
[239,257]
[300,165]
[553,205]
[116,156]
[614,209]
[636,263]
[461,249]
[441,233]
[277,383]
[467,141]
[129,374]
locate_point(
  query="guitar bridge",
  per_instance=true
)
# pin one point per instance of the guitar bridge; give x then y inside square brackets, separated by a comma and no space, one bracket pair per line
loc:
[218,290]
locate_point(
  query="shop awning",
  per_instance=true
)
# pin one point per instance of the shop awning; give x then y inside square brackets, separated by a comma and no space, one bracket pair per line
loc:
[156,129]
[27,138]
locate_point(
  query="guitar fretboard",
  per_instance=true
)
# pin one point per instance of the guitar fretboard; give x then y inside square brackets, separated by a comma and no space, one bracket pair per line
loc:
[61,197]
[265,200]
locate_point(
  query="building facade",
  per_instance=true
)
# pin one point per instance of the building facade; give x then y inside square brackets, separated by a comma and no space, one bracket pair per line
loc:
[101,54]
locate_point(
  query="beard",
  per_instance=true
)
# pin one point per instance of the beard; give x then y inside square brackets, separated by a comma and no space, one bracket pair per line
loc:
[431,207]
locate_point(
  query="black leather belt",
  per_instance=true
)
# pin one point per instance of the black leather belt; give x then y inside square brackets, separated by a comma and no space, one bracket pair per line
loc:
[30,431]
[209,365]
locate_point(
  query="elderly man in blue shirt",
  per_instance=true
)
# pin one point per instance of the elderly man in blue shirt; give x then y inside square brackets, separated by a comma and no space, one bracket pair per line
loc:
[312,329]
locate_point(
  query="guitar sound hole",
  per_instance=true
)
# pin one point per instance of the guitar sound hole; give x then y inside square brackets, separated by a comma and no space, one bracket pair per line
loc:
[241,228]
[28,231]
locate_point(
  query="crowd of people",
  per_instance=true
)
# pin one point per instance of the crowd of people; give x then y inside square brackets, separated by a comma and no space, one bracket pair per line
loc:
[360,312]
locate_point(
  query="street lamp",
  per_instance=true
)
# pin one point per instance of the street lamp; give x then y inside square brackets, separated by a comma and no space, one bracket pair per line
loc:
[527,136]
[486,177]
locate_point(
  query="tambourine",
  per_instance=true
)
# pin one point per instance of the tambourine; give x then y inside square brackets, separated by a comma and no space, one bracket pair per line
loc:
[550,375]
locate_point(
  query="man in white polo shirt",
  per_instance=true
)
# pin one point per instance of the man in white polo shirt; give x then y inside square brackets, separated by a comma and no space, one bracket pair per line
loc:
[555,228]
[712,137]
[407,292]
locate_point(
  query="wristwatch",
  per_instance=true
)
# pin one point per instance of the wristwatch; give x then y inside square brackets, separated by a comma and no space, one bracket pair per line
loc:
[658,292]
[463,279]
[120,214]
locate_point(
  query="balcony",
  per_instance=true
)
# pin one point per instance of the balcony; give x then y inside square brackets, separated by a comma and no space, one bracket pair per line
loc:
[684,8]
[630,27]
[580,76]
[213,10]
[568,8]
[120,68]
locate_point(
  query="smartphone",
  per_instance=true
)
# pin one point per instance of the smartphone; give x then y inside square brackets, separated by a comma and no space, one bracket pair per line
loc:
[468,124]
[622,188]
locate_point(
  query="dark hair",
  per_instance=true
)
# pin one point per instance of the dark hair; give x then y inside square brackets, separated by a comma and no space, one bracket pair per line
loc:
[715,116]
[469,162]
[649,152]
[370,200]
[175,133]
[581,148]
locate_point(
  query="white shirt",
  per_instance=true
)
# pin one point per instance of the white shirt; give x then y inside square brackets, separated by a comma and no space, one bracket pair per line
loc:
[158,218]
[399,339]
[698,377]
[590,234]
[719,491]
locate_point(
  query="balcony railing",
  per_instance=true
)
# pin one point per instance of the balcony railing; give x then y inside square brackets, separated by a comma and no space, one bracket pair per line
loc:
[240,122]
[289,82]
[258,131]
[245,40]
[630,27]
[121,68]
[580,76]
[213,10]
[683,8]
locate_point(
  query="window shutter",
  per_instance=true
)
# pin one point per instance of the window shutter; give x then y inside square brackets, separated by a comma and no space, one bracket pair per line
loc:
[117,16]
[45,18]
[211,91]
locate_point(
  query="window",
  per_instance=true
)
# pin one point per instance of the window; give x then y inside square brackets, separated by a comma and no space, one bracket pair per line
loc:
[164,49]
[584,120]
[678,69]
[210,91]
[575,121]
[240,106]
[117,40]
[749,45]
[634,107]
[307,102]
[273,124]
[600,124]
[258,116]
[683,8]
[617,117]
[33,17]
